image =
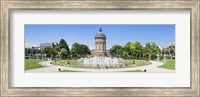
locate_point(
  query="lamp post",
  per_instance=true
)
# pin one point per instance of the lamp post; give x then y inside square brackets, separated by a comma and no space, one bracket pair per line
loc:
[158,57]
[45,58]
[51,56]
[39,56]
[36,56]
[164,58]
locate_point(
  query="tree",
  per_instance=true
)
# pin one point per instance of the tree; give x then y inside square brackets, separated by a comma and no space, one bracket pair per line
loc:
[64,53]
[163,51]
[151,50]
[84,50]
[47,51]
[50,52]
[79,50]
[116,51]
[75,50]
[28,52]
[61,46]
[133,49]
[127,51]
[136,49]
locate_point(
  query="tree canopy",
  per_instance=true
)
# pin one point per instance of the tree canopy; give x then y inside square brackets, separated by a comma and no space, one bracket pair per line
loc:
[116,51]
[132,49]
[151,50]
[63,48]
[79,50]
[63,44]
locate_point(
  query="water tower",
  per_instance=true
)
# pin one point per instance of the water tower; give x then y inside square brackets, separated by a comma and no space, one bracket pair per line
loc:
[100,44]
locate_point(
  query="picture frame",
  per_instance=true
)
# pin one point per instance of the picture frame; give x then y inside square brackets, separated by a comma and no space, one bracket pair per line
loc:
[7,7]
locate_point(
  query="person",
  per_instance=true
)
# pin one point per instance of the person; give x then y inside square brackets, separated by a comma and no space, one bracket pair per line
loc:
[59,69]
[106,67]
[98,66]
[145,70]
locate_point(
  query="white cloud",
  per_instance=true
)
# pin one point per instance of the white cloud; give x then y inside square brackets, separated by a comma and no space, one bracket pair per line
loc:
[91,48]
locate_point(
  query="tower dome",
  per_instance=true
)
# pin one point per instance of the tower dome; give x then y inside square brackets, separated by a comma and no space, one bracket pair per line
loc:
[100,33]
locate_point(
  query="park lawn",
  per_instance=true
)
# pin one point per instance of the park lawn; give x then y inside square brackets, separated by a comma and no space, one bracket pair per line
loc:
[134,71]
[32,64]
[137,62]
[69,71]
[140,62]
[61,62]
[170,64]
[65,62]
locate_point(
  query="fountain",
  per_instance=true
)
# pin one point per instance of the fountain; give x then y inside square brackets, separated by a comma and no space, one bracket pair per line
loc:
[100,54]
[100,61]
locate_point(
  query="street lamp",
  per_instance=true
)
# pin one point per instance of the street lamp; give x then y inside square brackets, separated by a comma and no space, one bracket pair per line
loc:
[164,58]
[45,56]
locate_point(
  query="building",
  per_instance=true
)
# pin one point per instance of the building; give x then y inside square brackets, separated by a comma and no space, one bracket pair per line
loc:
[51,45]
[100,45]
[169,49]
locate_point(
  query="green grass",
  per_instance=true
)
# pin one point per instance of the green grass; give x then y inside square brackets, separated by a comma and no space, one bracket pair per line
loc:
[137,62]
[69,71]
[170,64]
[134,71]
[61,62]
[31,64]
[140,62]
[65,62]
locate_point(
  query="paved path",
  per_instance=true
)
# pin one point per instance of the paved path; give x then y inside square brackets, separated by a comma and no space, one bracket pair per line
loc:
[153,68]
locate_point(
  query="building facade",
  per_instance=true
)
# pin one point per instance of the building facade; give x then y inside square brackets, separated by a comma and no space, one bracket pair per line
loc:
[100,44]
[51,45]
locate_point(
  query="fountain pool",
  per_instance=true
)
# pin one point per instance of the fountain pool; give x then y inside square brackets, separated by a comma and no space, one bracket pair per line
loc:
[101,61]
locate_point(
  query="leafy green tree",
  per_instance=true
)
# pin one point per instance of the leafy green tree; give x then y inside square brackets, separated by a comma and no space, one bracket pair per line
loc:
[79,50]
[127,51]
[63,44]
[60,49]
[84,50]
[151,50]
[136,49]
[50,52]
[28,51]
[75,50]
[47,51]
[172,51]
[64,53]
[116,51]
[163,51]
[133,50]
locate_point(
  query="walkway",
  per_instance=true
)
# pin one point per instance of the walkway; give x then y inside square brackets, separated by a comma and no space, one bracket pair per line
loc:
[153,68]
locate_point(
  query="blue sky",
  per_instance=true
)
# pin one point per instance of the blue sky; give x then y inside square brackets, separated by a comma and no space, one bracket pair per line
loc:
[84,34]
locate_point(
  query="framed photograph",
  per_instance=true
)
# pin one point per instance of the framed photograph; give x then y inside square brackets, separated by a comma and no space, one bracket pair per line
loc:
[100,48]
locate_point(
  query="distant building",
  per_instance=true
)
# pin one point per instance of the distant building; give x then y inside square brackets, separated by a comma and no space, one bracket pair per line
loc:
[169,49]
[51,45]
[170,45]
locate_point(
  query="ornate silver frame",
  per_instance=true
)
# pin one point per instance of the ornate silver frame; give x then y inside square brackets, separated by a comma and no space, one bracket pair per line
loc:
[8,5]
